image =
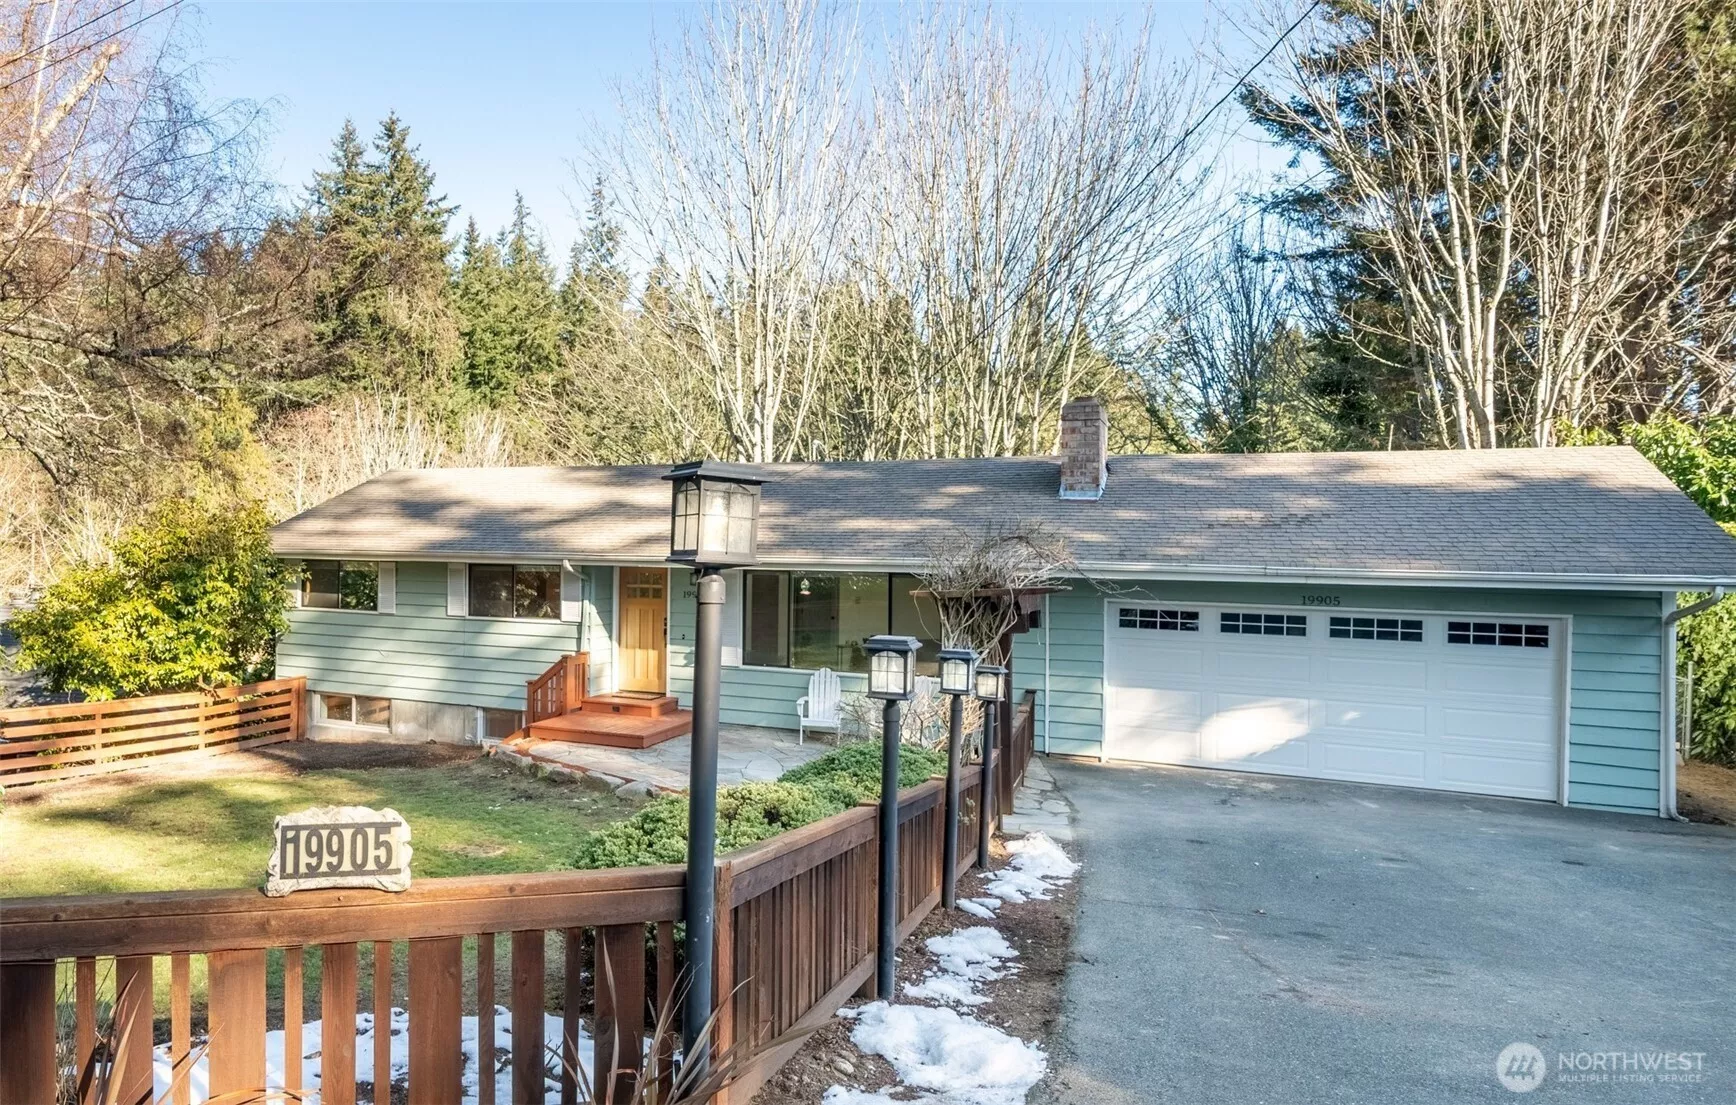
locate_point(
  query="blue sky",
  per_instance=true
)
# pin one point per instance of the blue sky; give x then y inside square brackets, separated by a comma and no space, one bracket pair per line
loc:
[498,95]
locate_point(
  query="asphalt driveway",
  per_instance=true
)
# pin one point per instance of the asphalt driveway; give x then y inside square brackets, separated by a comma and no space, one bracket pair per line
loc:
[1249,938]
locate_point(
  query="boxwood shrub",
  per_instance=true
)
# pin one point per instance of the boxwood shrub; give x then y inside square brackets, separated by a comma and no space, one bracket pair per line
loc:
[750,812]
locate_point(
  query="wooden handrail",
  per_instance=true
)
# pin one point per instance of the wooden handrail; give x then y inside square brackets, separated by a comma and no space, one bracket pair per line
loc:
[558,690]
[210,920]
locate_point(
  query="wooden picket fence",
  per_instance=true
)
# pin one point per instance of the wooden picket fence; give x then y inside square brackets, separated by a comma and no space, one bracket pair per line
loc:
[795,932]
[40,744]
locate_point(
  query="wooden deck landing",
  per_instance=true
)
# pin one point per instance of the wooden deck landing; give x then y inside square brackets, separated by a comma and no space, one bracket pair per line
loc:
[557,708]
[614,730]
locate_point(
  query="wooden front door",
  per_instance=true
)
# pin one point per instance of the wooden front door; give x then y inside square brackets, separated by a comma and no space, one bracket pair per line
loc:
[644,628]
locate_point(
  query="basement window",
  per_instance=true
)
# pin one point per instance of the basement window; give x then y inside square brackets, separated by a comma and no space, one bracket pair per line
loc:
[357,709]
[500,724]
[1500,634]
[1183,621]
[1264,625]
[1375,629]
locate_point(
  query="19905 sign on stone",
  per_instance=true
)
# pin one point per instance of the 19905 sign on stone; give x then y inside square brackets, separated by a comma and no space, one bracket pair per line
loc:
[339,846]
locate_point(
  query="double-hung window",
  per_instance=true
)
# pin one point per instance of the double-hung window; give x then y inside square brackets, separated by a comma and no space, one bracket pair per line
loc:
[515,591]
[341,585]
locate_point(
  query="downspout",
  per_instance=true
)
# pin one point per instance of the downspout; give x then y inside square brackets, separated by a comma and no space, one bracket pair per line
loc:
[1667,751]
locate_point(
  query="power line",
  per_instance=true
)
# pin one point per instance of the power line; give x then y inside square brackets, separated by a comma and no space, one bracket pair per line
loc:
[75,30]
[39,70]
[1193,128]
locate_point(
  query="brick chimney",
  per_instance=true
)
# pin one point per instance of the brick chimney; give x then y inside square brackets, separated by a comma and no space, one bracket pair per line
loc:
[1084,448]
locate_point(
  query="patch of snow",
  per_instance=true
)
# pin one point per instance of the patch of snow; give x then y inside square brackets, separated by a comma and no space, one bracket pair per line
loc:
[399,1042]
[966,958]
[1038,866]
[980,907]
[960,1059]
[846,1095]
[945,989]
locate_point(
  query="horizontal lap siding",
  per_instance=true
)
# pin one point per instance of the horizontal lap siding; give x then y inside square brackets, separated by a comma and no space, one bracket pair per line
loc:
[1614,722]
[419,653]
[1070,715]
[1615,673]
[600,622]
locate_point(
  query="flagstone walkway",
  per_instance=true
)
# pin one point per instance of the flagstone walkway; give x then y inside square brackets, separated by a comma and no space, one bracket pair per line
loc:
[744,754]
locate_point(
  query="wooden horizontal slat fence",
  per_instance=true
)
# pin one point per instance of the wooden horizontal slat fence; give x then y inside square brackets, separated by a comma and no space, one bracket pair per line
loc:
[796,931]
[40,744]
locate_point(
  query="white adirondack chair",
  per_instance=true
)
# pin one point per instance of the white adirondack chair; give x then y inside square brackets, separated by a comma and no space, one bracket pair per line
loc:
[924,705]
[821,707]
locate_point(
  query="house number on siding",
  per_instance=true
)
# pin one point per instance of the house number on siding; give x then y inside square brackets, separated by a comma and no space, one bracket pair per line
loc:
[339,846]
[1320,600]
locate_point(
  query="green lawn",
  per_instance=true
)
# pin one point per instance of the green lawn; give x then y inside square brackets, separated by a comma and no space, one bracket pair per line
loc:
[176,829]
[208,825]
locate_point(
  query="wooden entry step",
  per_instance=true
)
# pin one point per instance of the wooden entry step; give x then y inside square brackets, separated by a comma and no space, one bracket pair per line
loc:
[631,705]
[613,730]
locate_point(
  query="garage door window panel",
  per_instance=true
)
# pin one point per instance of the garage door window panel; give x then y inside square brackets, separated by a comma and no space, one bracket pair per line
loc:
[1263,625]
[1402,630]
[1498,634]
[1183,621]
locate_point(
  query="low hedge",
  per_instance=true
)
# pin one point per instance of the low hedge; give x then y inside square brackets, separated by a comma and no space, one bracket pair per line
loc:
[851,773]
[751,812]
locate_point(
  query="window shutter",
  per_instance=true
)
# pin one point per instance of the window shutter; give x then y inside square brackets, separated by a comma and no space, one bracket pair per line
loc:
[572,593]
[732,618]
[457,590]
[386,599]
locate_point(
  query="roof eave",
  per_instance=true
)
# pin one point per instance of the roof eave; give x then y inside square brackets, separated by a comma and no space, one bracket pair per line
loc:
[1216,573]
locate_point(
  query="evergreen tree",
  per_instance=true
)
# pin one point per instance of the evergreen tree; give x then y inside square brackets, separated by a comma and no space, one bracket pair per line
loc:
[382,315]
[506,302]
[596,281]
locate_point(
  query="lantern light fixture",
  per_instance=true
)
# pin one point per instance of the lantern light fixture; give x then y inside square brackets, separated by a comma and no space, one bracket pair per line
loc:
[958,671]
[891,667]
[990,682]
[714,514]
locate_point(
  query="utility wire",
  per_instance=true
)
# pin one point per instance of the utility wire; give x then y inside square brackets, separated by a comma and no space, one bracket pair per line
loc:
[74,30]
[39,70]
[1193,128]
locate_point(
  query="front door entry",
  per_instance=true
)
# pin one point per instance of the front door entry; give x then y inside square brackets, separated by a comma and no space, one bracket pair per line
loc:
[644,628]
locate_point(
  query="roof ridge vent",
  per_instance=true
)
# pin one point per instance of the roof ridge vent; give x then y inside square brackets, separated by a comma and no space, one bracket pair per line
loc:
[1084,448]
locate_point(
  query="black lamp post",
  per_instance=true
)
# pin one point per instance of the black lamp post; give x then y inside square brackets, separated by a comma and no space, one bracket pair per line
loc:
[990,687]
[957,679]
[892,679]
[714,520]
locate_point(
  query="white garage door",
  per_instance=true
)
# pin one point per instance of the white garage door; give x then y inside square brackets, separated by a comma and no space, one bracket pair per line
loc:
[1448,702]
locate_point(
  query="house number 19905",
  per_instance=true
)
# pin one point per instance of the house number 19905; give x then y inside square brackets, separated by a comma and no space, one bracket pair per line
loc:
[1319,600]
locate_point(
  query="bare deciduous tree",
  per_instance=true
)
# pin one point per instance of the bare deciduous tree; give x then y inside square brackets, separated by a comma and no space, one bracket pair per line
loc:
[734,170]
[1023,201]
[975,579]
[322,451]
[120,195]
[1521,177]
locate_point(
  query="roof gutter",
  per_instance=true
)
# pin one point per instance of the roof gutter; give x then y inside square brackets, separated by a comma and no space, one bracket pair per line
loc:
[1669,754]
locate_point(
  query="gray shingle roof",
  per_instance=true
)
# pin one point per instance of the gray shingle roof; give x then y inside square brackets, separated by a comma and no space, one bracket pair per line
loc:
[1597,514]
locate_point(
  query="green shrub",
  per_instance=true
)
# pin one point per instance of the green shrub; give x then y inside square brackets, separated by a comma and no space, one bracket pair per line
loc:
[192,597]
[746,813]
[751,812]
[851,773]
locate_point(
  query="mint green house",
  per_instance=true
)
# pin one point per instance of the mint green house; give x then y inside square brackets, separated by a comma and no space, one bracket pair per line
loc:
[1496,622]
